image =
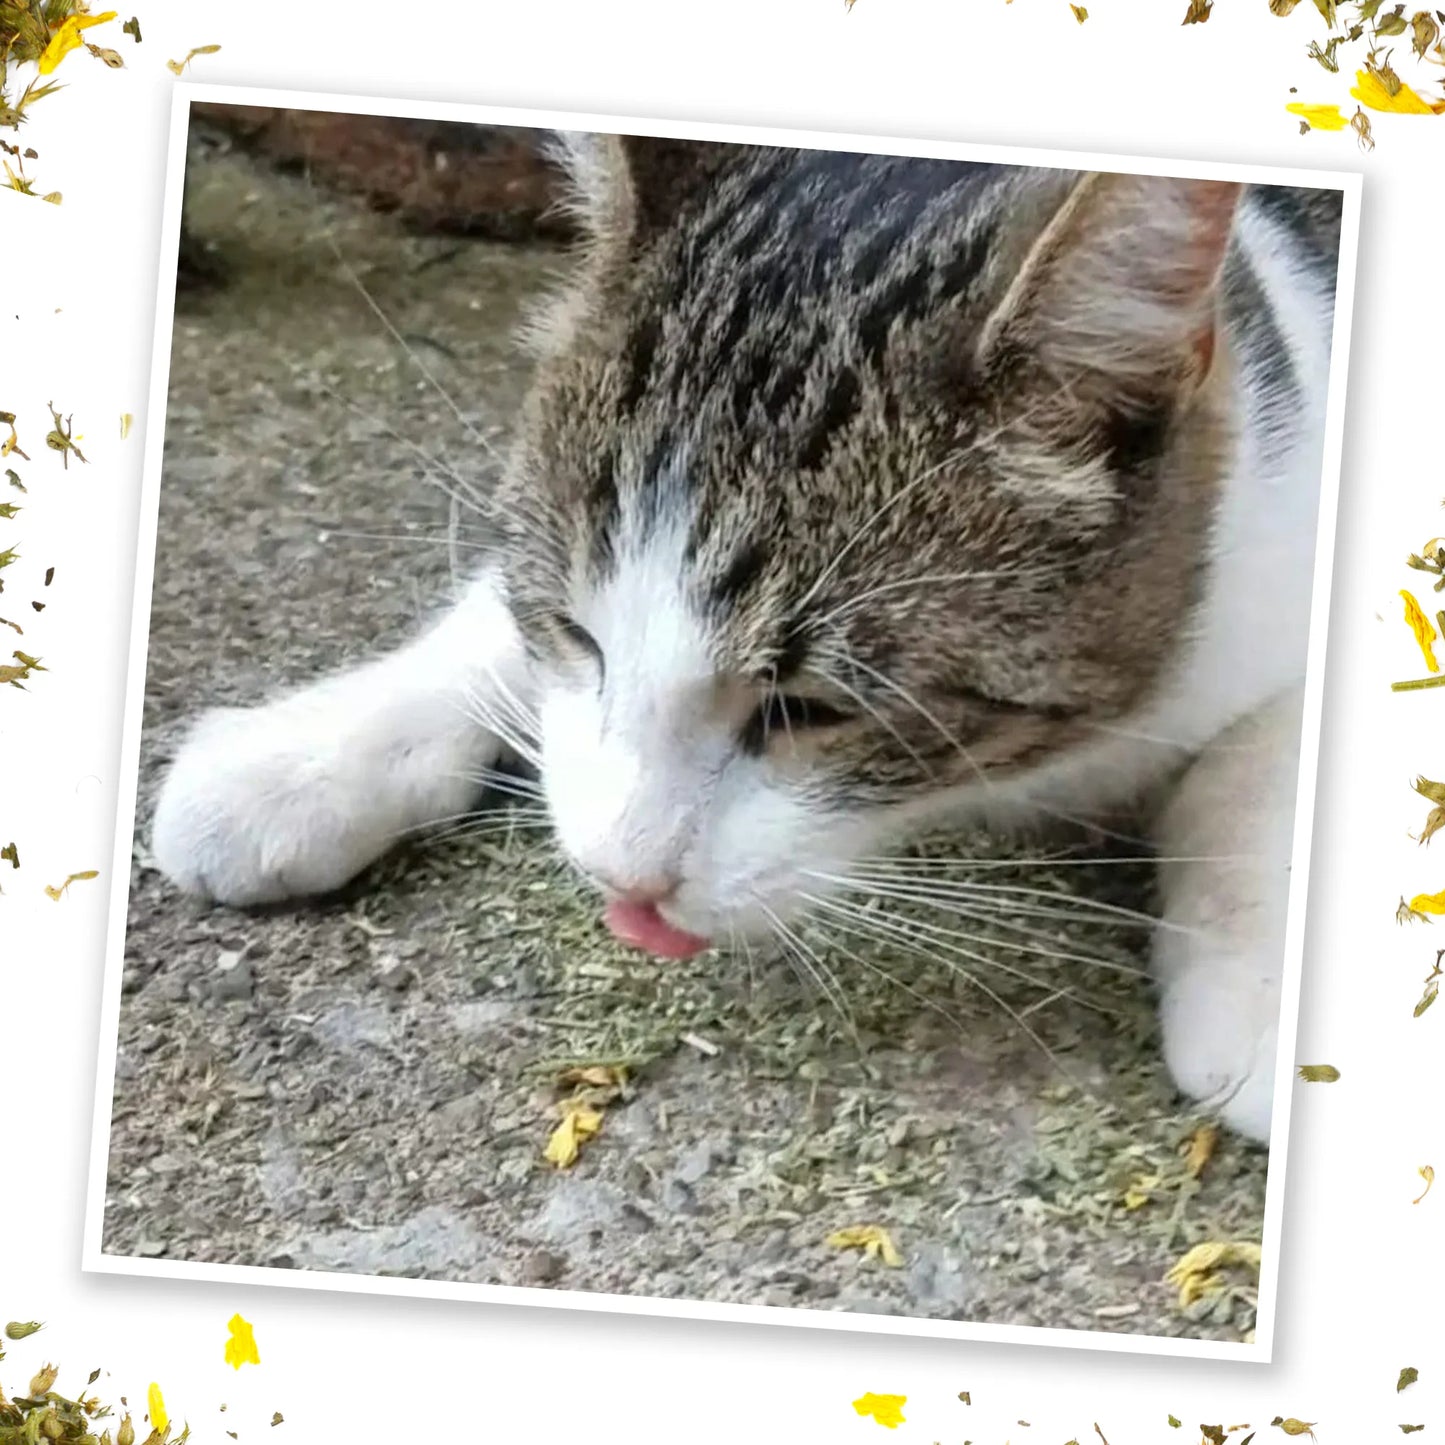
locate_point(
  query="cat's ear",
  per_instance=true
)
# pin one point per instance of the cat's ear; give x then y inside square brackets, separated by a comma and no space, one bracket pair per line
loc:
[626,188]
[1119,293]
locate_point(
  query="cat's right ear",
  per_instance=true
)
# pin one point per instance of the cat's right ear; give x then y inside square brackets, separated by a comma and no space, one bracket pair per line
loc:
[1118,294]
[624,189]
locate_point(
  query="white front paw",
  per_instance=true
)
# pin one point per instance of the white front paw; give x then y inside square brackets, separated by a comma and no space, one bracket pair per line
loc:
[259,807]
[1220,1022]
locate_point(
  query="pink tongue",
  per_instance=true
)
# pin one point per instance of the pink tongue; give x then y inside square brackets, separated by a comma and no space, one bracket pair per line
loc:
[642,926]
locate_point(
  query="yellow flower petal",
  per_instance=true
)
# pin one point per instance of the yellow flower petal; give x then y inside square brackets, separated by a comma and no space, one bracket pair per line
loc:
[579,1122]
[156,1405]
[887,1410]
[1370,90]
[241,1346]
[1202,1144]
[872,1239]
[1194,1275]
[1428,902]
[1320,117]
[67,38]
[1420,625]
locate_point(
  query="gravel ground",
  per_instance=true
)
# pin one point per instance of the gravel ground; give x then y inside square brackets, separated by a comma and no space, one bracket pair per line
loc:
[366,1084]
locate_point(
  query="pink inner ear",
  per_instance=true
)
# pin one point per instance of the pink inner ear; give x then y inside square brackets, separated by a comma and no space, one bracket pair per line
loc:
[1210,207]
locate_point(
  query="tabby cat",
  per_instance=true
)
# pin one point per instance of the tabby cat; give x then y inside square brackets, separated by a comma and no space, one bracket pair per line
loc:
[855,494]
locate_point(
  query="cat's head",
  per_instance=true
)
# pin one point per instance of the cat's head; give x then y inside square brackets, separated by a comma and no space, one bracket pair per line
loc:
[848,486]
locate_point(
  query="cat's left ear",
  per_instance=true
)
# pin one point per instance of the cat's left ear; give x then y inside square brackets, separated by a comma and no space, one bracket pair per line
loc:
[629,187]
[1118,294]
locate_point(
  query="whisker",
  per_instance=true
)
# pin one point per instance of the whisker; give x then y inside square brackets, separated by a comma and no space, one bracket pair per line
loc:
[902,939]
[1062,955]
[920,932]
[818,971]
[979,892]
[408,350]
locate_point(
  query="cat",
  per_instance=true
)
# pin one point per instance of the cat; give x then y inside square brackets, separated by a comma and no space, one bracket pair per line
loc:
[853,494]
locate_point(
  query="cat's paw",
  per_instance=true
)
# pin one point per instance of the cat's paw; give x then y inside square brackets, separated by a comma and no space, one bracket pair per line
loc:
[1225,839]
[1219,1015]
[258,807]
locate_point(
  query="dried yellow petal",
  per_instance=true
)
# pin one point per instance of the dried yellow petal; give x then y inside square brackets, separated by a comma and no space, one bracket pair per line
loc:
[156,1405]
[1202,1144]
[1080,13]
[1320,117]
[579,1123]
[1427,1173]
[872,1239]
[1420,625]
[887,1410]
[1196,1273]
[1371,88]
[67,38]
[1428,902]
[241,1344]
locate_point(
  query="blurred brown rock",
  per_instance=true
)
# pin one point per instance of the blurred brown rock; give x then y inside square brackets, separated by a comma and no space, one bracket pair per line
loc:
[447,176]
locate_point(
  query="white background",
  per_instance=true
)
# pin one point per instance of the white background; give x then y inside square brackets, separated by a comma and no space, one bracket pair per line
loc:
[1360,1281]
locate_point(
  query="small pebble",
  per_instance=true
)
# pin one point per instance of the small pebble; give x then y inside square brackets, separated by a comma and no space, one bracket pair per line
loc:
[543,1267]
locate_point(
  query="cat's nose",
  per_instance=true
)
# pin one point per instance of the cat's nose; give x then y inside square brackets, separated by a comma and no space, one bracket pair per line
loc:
[652,889]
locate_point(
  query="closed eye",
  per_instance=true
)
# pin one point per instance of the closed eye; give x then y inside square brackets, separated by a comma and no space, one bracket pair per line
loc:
[786,714]
[580,640]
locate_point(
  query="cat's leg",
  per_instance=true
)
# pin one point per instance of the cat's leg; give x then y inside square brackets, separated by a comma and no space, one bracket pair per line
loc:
[297,796]
[1219,955]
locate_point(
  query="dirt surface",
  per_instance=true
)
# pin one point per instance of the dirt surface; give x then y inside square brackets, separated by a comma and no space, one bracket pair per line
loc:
[367,1084]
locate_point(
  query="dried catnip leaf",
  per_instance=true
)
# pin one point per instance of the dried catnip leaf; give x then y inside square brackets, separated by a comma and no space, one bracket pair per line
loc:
[58,893]
[1319,1073]
[1410,1429]
[1213,1433]
[132,28]
[1198,12]
[177,67]
[1408,1376]
[59,438]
